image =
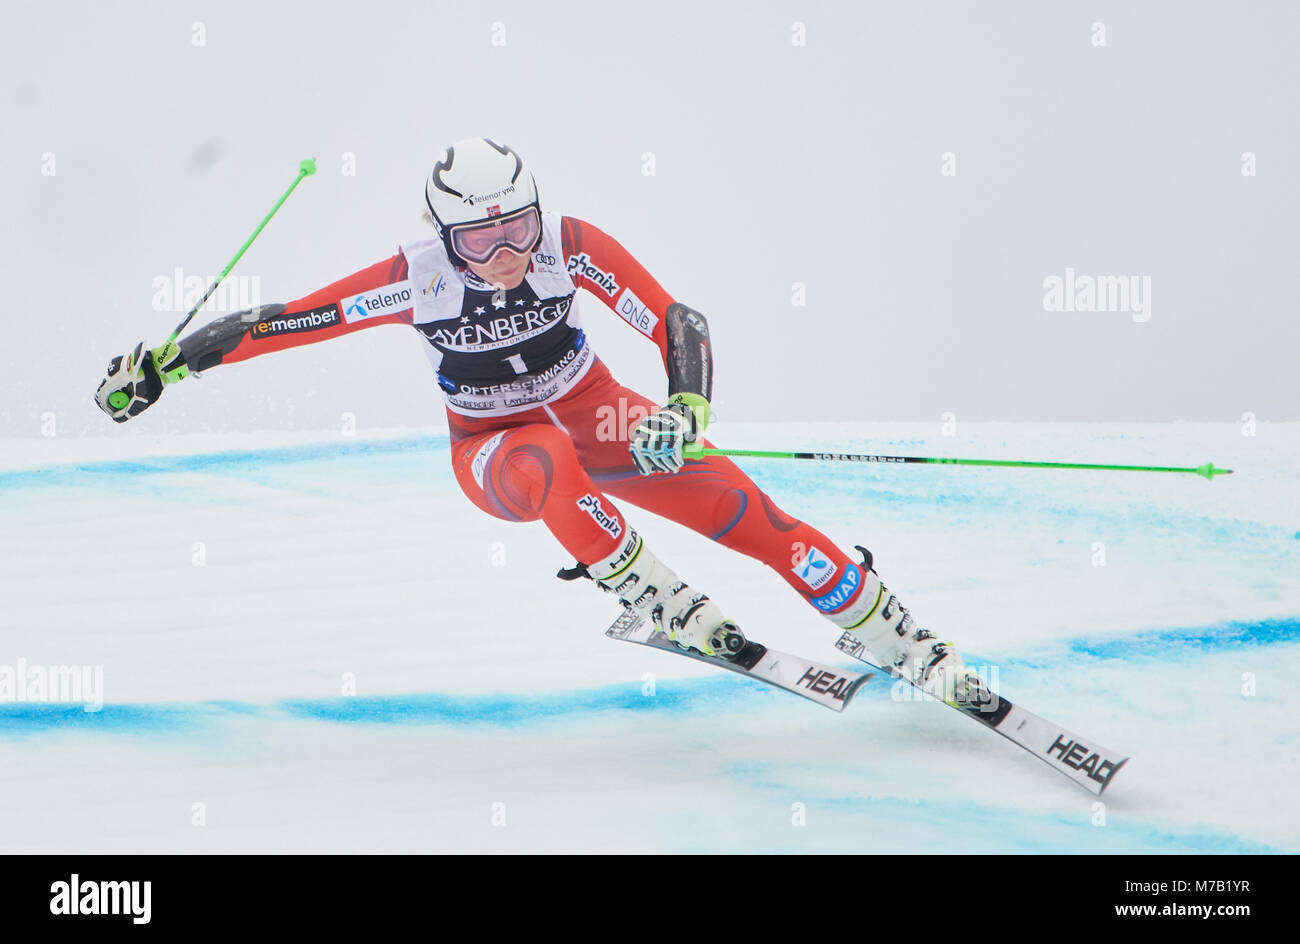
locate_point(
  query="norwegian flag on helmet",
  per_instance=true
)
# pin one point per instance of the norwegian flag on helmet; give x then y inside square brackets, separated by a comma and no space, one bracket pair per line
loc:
[494,210]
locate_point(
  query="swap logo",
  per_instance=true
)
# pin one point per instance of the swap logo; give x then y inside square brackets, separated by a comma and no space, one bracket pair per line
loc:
[843,591]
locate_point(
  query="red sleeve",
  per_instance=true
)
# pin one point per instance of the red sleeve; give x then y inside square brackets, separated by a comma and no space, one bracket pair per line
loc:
[378,294]
[599,264]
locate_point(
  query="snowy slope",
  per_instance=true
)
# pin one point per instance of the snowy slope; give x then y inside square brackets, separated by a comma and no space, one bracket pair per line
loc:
[483,680]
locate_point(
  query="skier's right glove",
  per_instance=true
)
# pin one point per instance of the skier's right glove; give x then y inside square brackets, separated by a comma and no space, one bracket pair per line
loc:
[135,381]
[659,443]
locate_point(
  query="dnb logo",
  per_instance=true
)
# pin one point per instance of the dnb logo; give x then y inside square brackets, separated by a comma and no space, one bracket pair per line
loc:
[816,569]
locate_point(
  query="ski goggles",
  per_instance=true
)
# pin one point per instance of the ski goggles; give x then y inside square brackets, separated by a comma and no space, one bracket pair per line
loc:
[479,242]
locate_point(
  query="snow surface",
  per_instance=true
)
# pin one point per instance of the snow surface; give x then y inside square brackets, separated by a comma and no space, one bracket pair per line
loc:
[483,680]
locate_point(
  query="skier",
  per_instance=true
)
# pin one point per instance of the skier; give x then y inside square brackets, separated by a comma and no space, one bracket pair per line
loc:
[531,409]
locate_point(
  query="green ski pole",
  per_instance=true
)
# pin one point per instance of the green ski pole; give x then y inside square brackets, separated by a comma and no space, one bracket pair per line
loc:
[1207,471]
[119,399]
[306,168]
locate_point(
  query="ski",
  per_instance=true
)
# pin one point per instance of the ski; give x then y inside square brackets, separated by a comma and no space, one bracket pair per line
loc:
[1081,759]
[829,687]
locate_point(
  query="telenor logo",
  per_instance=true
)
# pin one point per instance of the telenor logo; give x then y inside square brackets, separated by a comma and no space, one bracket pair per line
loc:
[815,569]
[388,300]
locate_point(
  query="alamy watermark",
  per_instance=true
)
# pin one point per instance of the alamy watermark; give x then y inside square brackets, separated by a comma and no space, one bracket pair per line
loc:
[179,292]
[69,684]
[1073,292]
[78,896]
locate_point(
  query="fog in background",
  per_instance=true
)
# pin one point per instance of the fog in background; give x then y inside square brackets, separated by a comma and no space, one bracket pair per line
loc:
[774,163]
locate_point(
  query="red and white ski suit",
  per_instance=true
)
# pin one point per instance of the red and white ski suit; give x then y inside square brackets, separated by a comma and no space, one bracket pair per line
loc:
[539,426]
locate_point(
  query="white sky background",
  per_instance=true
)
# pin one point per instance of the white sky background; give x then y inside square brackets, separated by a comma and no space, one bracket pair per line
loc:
[775,164]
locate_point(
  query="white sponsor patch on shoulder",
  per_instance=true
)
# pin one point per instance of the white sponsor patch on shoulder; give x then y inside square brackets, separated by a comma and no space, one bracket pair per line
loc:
[483,455]
[388,300]
[635,312]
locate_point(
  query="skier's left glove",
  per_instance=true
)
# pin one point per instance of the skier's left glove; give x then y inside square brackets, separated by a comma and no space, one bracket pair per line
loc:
[134,382]
[659,441]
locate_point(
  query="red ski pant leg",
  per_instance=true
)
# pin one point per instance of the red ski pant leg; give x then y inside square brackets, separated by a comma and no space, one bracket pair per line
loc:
[531,472]
[713,497]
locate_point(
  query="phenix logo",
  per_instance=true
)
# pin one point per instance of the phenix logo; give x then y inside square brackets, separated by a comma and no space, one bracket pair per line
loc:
[591,505]
[583,266]
[102,898]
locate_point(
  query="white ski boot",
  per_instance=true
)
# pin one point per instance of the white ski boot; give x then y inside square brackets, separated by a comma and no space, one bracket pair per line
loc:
[644,583]
[886,628]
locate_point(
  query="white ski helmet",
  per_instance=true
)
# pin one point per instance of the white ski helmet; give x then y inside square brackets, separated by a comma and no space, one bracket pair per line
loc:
[477,182]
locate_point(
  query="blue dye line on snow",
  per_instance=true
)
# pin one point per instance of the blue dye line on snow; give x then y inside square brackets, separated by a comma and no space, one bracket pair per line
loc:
[1169,644]
[971,824]
[71,473]
[23,718]
[724,691]
[513,710]
[500,710]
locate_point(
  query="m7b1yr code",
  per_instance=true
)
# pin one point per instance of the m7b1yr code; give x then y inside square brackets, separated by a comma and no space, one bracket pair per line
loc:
[1178,885]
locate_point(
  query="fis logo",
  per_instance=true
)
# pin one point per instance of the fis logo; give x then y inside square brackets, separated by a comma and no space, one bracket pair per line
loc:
[436,286]
[815,569]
